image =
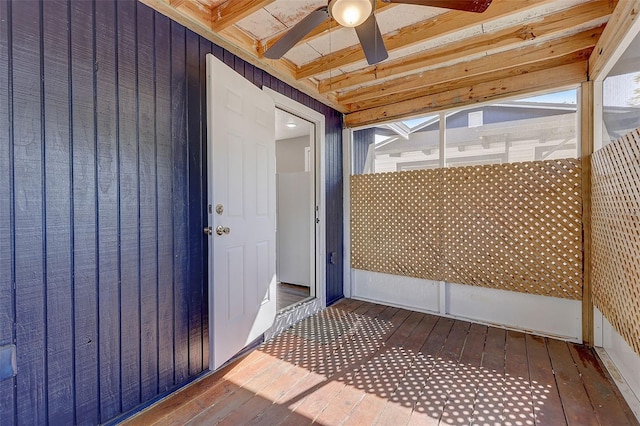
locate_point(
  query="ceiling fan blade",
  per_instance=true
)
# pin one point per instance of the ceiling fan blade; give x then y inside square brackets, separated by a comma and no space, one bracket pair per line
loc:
[297,33]
[371,40]
[477,6]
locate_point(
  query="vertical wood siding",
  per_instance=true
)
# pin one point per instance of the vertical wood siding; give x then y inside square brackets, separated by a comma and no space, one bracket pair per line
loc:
[362,139]
[103,266]
[7,239]
[85,209]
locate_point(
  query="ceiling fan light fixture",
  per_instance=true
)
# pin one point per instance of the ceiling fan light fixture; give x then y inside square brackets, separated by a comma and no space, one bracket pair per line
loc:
[350,13]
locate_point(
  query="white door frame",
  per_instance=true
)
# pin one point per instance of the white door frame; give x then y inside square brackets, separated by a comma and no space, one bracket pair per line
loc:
[347,167]
[318,120]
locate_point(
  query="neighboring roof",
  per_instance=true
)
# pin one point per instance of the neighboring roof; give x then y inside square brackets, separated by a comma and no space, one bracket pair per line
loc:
[405,128]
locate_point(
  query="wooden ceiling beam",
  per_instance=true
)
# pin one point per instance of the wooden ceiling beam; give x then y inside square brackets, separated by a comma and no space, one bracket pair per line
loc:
[420,32]
[232,41]
[328,25]
[231,11]
[624,17]
[486,65]
[498,73]
[508,37]
[487,91]
[243,40]
[193,11]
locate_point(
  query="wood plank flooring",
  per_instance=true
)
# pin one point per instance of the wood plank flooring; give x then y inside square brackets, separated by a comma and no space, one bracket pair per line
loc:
[360,363]
[290,294]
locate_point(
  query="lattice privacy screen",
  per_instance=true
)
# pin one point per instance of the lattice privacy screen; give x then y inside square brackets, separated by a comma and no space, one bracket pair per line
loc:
[615,218]
[512,226]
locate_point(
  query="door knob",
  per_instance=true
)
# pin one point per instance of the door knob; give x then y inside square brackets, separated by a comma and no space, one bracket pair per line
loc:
[208,230]
[222,230]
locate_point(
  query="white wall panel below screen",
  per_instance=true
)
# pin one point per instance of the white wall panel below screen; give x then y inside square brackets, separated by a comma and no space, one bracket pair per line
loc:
[625,370]
[546,316]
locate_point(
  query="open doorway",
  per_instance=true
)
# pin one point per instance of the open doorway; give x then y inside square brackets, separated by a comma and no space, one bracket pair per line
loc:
[295,195]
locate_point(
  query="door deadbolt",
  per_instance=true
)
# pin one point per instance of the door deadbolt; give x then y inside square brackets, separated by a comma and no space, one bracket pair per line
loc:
[219,208]
[220,230]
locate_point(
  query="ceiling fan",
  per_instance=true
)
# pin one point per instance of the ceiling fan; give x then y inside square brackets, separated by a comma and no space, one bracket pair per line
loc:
[359,14]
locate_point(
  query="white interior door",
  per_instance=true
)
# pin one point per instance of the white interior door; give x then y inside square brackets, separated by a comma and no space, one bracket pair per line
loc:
[242,193]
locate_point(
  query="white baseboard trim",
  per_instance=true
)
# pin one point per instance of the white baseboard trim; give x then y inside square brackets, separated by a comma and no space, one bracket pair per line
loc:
[621,361]
[618,378]
[544,316]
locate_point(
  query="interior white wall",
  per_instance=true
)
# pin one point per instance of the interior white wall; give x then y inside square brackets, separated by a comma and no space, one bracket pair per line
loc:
[620,359]
[294,230]
[546,316]
[290,154]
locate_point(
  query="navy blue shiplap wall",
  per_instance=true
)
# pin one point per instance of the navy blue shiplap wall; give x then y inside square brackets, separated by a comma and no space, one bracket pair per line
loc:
[362,139]
[102,204]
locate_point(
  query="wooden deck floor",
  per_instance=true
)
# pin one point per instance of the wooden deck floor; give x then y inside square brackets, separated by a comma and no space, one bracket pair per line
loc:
[361,363]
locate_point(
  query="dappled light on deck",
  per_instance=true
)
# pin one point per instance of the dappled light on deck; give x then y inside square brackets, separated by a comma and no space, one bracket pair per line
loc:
[359,363]
[352,349]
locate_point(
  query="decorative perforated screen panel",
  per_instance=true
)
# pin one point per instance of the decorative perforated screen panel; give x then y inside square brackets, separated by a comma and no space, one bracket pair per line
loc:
[615,218]
[513,226]
[396,224]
